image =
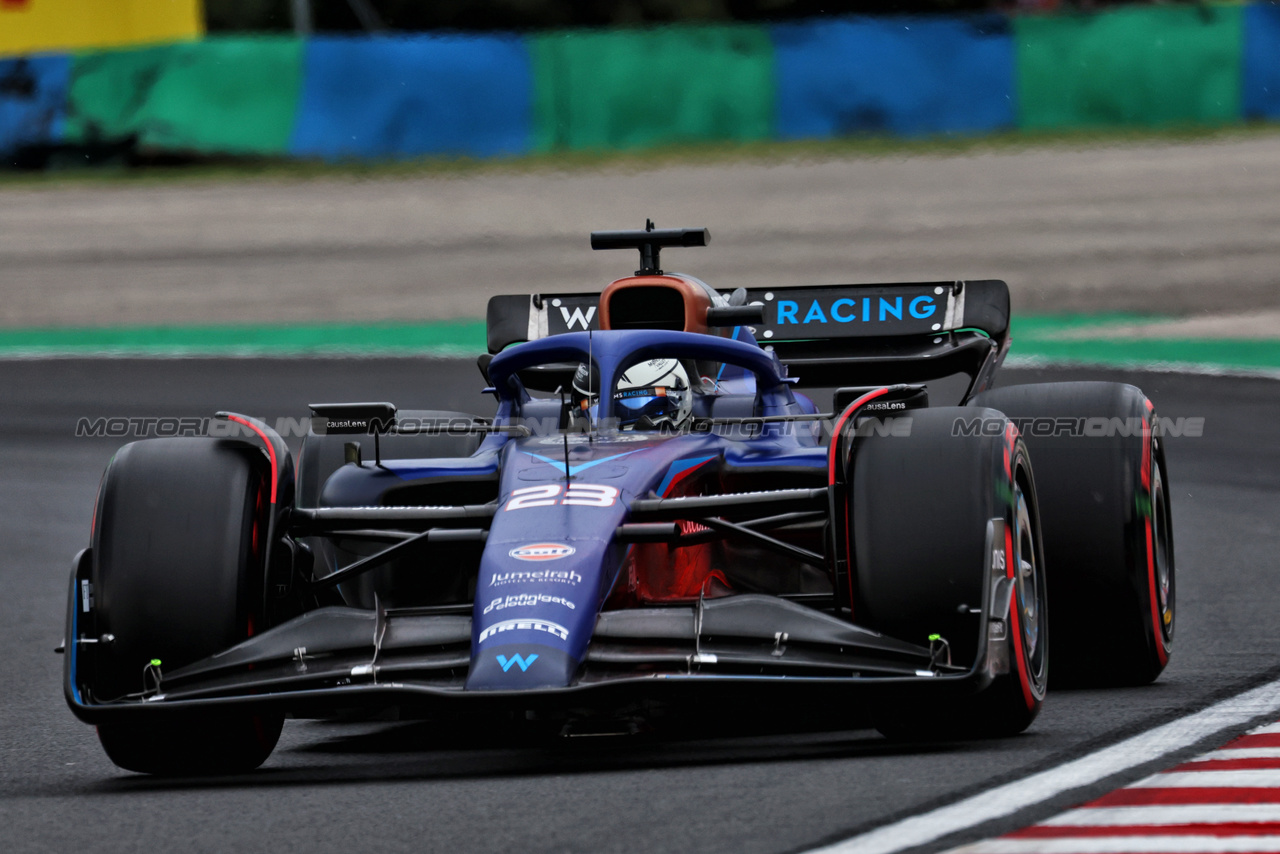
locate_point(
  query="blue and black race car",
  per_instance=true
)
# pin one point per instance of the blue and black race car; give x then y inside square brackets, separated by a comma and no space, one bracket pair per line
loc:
[657,516]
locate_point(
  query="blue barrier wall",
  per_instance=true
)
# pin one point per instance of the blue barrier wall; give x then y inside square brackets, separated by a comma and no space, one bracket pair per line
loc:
[906,76]
[33,100]
[401,97]
[1261,73]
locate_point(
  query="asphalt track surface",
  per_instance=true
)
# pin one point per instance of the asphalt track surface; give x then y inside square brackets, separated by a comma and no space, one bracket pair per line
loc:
[1152,228]
[404,786]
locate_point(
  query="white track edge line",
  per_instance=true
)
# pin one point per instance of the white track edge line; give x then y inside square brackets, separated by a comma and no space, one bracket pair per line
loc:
[1166,814]
[1225,754]
[1247,778]
[1011,797]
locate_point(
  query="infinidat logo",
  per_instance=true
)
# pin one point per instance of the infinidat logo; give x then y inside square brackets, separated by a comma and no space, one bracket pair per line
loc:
[525,600]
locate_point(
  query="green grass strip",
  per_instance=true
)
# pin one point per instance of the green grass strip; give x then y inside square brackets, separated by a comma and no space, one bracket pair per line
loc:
[1048,325]
[1036,339]
[1244,355]
[444,338]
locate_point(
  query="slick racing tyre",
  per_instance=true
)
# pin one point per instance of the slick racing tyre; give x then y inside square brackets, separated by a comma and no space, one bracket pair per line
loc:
[1108,532]
[924,514]
[178,546]
[321,454]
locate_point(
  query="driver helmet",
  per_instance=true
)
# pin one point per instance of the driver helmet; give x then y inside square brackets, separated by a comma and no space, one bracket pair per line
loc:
[653,395]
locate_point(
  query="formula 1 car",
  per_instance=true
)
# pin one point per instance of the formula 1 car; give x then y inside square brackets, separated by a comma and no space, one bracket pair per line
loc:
[654,517]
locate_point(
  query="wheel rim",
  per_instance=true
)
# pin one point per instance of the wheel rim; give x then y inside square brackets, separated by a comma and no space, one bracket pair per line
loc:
[1029,588]
[1163,558]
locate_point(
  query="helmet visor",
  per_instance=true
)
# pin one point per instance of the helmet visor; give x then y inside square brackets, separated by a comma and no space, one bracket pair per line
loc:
[652,403]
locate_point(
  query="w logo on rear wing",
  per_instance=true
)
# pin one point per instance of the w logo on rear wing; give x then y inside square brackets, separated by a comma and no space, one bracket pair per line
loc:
[528,317]
[577,318]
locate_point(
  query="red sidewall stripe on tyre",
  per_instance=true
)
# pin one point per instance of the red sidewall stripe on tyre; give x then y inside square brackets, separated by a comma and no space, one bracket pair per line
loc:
[835,433]
[1147,461]
[1015,624]
[271,451]
[831,477]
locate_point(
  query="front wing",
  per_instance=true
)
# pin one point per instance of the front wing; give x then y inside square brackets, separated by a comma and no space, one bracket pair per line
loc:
[338,658]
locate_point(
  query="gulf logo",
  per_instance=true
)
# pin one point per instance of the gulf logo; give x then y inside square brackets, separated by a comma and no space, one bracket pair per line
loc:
[542,551]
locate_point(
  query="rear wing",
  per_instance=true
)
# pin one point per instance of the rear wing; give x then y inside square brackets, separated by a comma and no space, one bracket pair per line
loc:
[827,334]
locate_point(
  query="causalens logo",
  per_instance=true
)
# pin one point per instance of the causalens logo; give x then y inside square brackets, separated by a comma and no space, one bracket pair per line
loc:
[851,310]
[505,663]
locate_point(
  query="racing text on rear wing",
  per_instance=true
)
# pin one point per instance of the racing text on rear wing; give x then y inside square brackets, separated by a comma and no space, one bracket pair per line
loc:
[859,311]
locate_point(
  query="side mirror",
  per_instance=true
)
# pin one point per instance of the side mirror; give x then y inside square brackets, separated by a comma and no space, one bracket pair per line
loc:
[735,315]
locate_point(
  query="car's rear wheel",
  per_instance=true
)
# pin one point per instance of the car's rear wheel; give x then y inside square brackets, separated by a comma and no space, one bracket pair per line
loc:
[927,509]
[178,550]
[1108,528]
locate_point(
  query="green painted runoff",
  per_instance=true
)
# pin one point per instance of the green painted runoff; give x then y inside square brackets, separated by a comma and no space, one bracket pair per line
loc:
[1035,338]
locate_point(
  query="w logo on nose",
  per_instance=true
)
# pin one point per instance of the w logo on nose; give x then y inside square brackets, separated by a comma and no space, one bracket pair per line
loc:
[516,659]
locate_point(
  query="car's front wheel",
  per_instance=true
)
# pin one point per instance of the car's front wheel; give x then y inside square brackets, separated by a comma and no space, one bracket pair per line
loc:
[178,550]
[944,520]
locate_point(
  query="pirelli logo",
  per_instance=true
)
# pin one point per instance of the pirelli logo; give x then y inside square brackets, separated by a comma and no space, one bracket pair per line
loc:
[531,625]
